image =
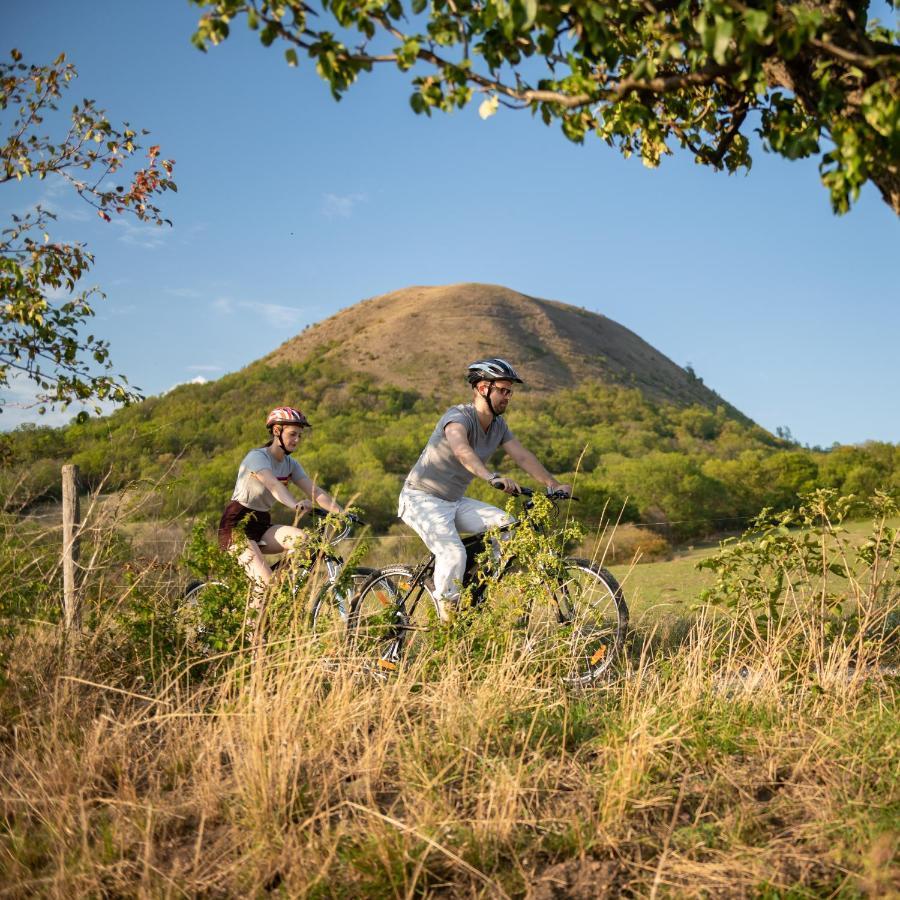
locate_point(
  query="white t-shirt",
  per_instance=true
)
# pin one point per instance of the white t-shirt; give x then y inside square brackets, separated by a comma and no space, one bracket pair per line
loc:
[249,491]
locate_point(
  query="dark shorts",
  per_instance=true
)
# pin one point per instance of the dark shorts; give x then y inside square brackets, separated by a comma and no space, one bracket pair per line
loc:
[255,525]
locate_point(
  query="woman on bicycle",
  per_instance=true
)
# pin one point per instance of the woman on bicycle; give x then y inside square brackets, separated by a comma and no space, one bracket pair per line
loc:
[261,482]
[465,437]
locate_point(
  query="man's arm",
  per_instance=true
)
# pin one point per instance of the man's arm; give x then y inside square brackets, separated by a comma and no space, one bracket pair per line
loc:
[462,450]
[526,460]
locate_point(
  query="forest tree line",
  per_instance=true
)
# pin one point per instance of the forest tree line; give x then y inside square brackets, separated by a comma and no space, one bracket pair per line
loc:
[687,472]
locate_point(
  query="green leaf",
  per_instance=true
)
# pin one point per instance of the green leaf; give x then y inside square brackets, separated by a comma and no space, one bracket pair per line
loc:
[724,34]
[756,21]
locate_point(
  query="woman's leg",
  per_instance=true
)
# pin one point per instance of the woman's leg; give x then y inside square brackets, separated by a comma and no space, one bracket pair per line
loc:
[254,563]
[283,539]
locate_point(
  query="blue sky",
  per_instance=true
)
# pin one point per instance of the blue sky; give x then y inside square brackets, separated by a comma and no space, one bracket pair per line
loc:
[292,206]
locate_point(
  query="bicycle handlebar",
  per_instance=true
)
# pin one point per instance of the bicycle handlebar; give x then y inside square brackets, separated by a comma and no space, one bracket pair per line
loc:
[350,521]
[529,492]
[324,513]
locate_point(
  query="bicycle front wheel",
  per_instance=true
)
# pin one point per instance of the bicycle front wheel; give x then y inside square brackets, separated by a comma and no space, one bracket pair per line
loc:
[581,628]
[389,617]
[203,600]
[331,607]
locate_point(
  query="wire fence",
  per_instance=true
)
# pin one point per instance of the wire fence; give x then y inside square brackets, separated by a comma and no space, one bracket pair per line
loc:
[716,523]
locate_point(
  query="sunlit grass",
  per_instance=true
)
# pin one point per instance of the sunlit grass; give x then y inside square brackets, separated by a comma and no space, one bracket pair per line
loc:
[707,764]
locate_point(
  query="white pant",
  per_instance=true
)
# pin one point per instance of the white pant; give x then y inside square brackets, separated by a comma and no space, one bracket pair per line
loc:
[438,522]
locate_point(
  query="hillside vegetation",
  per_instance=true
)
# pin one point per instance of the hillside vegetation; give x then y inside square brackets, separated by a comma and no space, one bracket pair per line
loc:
[643,439]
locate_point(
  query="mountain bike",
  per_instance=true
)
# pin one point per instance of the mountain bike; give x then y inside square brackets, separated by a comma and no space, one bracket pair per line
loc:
[579,620]
[330,608]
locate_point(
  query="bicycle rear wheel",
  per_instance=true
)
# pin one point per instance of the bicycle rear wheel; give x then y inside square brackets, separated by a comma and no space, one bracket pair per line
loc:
[387,619]
[581,628]
[331,606]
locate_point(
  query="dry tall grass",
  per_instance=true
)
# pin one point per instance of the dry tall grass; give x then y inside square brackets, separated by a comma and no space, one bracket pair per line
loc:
[714,766]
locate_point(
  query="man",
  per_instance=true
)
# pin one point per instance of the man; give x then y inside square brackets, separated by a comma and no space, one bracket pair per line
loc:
[465,437]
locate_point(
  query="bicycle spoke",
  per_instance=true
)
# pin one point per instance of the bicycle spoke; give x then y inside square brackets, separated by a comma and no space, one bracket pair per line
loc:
[582,625]
[389,617]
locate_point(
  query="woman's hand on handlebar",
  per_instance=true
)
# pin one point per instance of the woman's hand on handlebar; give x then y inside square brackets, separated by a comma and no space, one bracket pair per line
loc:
[559,490]
[302,507]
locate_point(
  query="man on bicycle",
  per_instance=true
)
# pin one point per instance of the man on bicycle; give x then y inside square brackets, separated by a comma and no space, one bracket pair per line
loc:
[432,501]
[261,482]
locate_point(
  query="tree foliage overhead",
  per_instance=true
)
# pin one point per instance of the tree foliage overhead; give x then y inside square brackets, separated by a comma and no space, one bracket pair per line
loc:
[42,308]
[812,77]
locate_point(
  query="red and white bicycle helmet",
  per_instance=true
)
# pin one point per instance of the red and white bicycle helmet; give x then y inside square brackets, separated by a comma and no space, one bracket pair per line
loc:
[286,415]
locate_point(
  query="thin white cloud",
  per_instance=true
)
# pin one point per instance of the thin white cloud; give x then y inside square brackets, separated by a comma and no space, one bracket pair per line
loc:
[197,379]
[184,293]
[141,234]
[59,293]
[20,404]
[341,206]
[201,368]
[274,314]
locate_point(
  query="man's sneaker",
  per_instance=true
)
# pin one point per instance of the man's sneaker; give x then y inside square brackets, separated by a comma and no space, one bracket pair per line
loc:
[447,607]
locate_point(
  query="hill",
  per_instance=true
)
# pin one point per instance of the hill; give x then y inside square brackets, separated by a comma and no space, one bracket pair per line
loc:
[640,435]
[423,336]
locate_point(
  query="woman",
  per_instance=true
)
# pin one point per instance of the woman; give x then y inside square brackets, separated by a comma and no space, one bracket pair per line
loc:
[262,480]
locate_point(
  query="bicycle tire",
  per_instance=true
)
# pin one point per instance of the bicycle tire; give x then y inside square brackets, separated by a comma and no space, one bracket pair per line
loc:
[581,628]
[385,626]
[191,599]
[326,616]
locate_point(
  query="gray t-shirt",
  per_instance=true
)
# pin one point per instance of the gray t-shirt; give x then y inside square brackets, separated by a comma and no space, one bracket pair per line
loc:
[250,491]
[437,470]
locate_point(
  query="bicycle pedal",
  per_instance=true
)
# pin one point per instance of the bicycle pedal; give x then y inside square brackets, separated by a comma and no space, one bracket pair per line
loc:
[387,664]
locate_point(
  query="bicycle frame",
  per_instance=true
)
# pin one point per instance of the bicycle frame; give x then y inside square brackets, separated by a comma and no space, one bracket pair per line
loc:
[426,567]
[334,564]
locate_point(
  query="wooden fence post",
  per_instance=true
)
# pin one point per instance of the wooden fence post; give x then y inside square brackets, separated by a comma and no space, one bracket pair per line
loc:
[71,519]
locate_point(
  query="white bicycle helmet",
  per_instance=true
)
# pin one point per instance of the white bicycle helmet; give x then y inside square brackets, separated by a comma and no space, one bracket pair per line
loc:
[493,369]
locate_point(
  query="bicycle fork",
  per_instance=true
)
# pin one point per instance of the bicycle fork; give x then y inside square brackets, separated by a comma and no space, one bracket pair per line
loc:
[334,568]
[403,613]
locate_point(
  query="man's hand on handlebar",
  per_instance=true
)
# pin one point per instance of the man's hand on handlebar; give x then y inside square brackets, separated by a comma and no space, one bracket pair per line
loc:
[508,485]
